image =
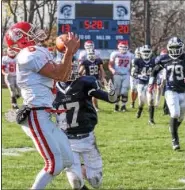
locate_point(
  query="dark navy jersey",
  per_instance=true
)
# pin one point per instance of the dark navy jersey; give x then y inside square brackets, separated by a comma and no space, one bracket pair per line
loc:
[76,98]
[175,72]
[92,68]
[143,69]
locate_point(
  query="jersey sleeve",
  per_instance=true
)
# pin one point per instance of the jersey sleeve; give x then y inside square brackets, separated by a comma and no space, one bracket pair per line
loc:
[112,56]
[3,65]
[91,84]
[34,60]
[93,89]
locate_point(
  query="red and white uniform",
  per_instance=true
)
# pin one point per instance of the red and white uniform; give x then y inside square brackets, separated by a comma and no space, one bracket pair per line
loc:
[49,140]
[122,64]
[9,67]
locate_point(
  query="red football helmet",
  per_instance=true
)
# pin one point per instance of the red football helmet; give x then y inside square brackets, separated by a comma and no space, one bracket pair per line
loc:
[89,44]
[23,34]
[122,47]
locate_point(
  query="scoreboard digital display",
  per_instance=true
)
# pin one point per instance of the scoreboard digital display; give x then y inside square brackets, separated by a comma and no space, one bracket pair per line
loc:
[104,22]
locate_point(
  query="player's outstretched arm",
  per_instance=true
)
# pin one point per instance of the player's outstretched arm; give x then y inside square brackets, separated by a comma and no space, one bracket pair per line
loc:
[109,95]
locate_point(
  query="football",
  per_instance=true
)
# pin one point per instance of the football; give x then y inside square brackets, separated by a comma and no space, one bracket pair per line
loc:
[60,42]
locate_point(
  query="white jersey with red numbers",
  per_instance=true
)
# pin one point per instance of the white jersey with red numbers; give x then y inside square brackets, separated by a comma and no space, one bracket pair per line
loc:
[35,88]
[83,55]
[122,62]
[9,65]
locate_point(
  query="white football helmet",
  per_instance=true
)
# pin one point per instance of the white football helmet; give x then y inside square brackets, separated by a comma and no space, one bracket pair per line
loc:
[122,47]
[11,53]
[91,55]
[175,47]
[146,52]
[89,45]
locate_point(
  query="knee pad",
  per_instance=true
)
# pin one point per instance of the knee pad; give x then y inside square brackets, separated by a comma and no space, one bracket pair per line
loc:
[74,180]
[96,181]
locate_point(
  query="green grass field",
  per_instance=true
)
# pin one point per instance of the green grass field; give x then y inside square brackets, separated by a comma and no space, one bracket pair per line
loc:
[135,155]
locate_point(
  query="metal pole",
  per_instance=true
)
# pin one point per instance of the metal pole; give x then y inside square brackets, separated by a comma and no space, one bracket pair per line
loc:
[147,21]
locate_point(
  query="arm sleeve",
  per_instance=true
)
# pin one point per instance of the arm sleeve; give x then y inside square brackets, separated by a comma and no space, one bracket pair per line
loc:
[112,56]
[156,70]
[95,91]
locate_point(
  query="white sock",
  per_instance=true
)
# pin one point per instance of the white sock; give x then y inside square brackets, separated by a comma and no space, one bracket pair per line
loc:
[42,179]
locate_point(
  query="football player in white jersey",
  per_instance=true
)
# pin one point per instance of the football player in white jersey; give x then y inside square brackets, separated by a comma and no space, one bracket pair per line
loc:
[35,74]
[119,66]
[88,45]
[9,72]
[133,80]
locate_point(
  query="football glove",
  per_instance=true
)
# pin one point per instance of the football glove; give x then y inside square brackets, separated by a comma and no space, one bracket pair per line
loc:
[109,86]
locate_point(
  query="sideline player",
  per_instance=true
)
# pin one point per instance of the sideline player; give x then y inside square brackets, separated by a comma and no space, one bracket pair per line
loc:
[119,66]
[76,97]
[133,80]
[35,74]
[160,79]
[88,45]
[93,66]
[142,70]
[174,64]
[9,72]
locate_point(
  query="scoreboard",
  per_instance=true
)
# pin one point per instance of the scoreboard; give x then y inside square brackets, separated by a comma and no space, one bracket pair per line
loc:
[104,22]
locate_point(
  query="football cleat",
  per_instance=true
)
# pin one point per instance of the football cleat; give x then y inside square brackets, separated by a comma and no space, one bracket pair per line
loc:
[151,122]
[123,108]
[15,106]
[116,109]
[138,115]
[175,145]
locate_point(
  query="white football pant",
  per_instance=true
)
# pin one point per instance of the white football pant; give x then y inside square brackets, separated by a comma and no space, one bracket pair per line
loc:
[85,149]
[176,104]
[133,84]
[144,95]
[122,84]
[50,141]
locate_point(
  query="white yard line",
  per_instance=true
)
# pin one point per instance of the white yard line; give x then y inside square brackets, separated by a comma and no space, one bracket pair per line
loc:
[16,151]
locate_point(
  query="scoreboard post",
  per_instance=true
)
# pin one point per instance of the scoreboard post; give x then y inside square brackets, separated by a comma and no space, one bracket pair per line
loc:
[104,22]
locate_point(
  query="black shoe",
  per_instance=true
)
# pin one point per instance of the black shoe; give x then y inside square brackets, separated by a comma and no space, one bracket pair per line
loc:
[84,188]
[18,96]
[123,108]
[15,106]
[175,145]
[116,108]
[151,122]
[138,115]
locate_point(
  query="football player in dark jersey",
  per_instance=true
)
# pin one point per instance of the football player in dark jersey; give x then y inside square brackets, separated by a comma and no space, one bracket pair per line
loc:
[79,122]
[174,64]
[142,70]
[93,66]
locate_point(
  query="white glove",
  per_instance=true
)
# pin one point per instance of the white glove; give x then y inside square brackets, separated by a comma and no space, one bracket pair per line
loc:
[109,86]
